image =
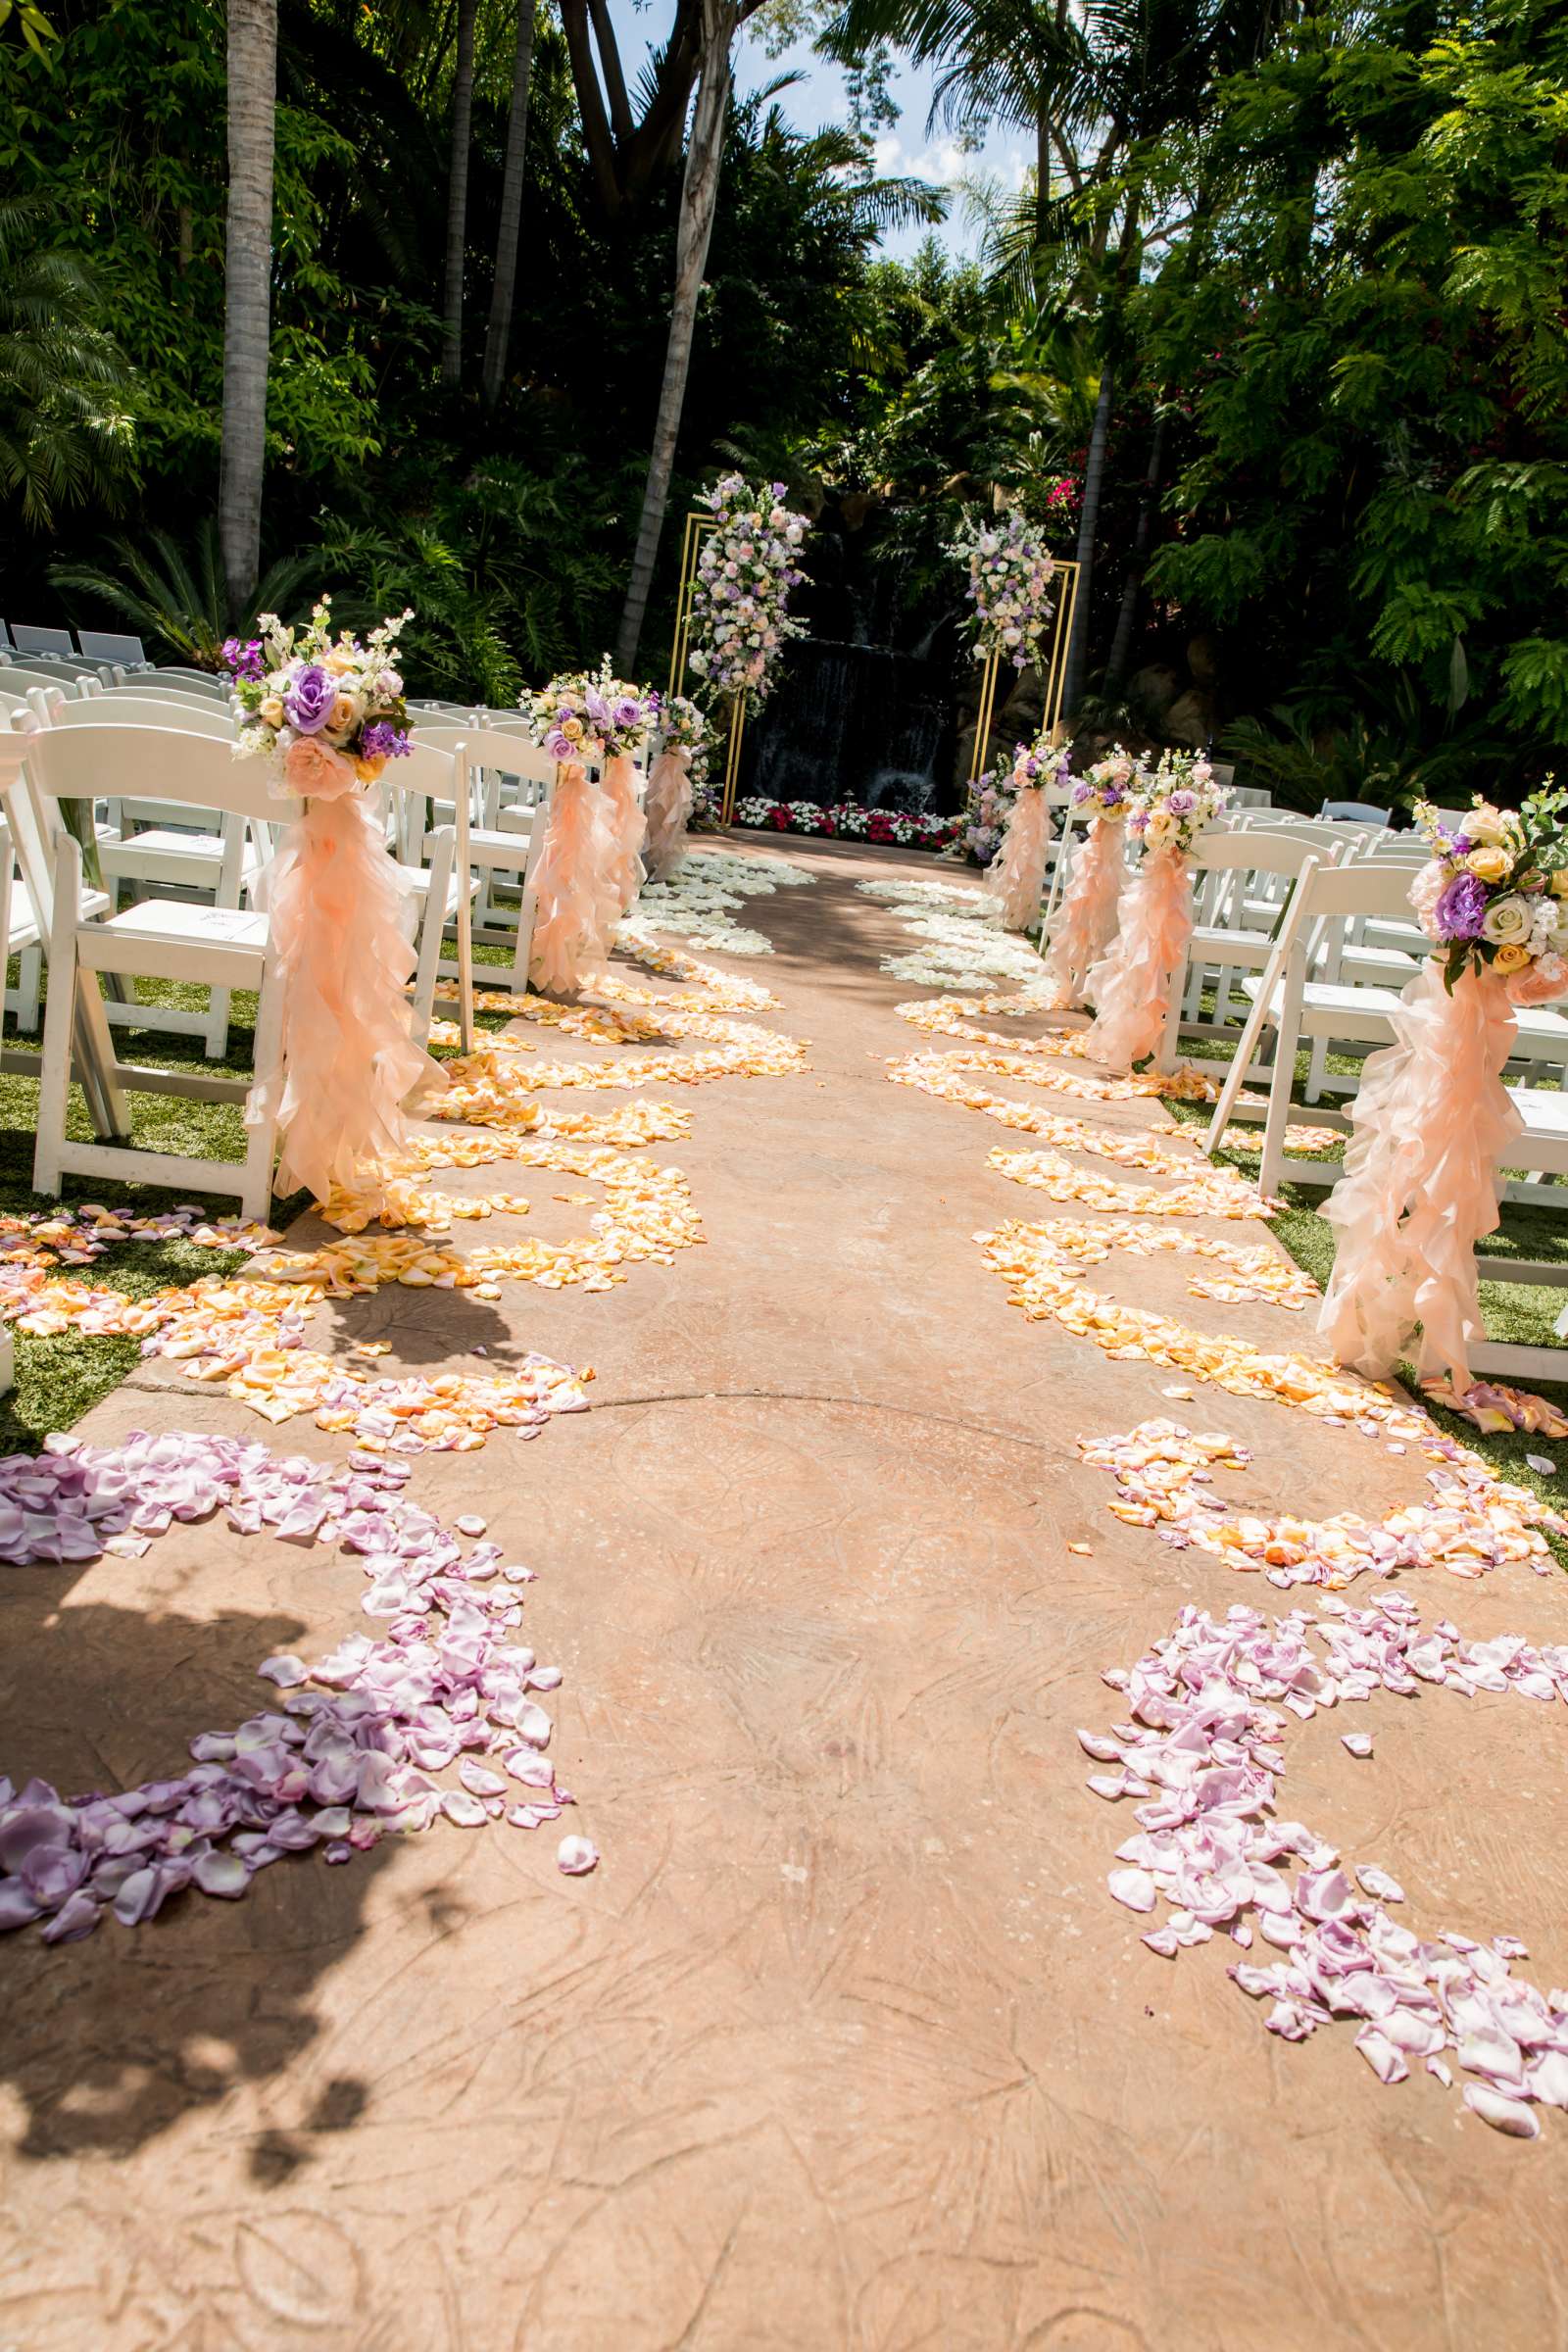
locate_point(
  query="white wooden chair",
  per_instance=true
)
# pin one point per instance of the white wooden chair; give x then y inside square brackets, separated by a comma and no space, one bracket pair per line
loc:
[150,844]
[1357,812]
[160,939]
[42,641]
[107,645]
[437,869]
[188,684]
[504,840]
[1241,883]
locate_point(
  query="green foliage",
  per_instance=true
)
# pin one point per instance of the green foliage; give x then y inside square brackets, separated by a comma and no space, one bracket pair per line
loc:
[63,431]
[1375,478]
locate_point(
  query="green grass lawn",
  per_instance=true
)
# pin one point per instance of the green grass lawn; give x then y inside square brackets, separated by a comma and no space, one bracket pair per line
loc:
[57,1379]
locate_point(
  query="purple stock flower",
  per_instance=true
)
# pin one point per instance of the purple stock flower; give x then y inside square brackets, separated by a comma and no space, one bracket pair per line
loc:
[309,701]
[242,657]
[1459,912]
[383,741]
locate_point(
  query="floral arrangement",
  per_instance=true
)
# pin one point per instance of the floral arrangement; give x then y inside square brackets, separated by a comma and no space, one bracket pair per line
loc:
[684,729]
[848,820]
[587,715]
[745,572]
[316,704]
[1496,891]
[1110,785]
[1177,803]
[1010,568]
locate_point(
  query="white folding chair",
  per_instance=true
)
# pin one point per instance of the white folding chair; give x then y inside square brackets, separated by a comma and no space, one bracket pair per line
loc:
[504,840]
[187,685]
[1357,812]
[107,645]
[151,844]
[42,641]
[1241,882]
[437,870]
[160,939]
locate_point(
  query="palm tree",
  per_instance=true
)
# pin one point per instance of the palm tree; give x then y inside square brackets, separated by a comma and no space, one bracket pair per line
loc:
[499,333]
[179,598]
[247,278]
[699,199]
[63,427]
[458,197]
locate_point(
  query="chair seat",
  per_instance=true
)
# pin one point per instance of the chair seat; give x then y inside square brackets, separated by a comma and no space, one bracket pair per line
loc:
[417,882]
[1330,1009]
[1213,944]
[164,939]
[160,852]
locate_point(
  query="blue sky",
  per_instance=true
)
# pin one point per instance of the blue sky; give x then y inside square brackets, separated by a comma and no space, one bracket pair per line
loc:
[820,98]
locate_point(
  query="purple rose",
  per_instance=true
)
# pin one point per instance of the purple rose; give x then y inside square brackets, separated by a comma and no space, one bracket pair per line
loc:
[1182,803]
[628,713]
[309,701]
[1459,912]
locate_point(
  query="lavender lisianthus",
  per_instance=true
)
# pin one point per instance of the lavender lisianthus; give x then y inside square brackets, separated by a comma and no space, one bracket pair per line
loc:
[309,701]
[1459,912]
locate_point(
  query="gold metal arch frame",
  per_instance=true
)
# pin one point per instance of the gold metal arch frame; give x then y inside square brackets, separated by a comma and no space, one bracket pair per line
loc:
[1056,668]
[697,526]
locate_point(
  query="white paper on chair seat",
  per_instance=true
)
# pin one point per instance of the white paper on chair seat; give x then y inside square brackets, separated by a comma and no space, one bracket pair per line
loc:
[163,844]
[165,919]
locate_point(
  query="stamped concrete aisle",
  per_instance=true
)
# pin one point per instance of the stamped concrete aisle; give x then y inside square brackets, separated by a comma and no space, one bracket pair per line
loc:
[844,2044]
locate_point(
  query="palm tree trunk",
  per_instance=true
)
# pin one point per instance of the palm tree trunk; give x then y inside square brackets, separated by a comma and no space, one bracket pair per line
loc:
[498,335]
[458,197]
[699,199]
[1123,643]
[1087,520]
[247,292]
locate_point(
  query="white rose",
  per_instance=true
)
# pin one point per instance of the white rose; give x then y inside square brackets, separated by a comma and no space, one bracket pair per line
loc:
[1506,921]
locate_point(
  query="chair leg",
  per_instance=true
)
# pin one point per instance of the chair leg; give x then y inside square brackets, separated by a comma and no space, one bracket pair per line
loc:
[430,933]
[260,1151]
[29,982]
[1271,1171]
[54,1078]
[1317,1069]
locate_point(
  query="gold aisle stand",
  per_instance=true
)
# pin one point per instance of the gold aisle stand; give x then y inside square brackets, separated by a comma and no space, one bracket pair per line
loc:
[1055,676]
[696,525]
[732,760]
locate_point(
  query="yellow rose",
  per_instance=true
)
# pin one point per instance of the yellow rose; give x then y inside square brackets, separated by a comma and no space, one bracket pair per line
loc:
[571,728]
[368,770]
[1490,865]
[1510,959]
[1560,883]
[339,660]
[273,711]
[345,711]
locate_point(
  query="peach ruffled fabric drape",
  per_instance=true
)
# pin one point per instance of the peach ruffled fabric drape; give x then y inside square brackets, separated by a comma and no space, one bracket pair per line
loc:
[1130,986]
[1016,874]
[628,828]
[1431,1128]
[668,808]
[1086,918]
[578,898]
[346,1062]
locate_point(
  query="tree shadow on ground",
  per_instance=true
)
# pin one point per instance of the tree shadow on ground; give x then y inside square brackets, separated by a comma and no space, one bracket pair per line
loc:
[110,2041]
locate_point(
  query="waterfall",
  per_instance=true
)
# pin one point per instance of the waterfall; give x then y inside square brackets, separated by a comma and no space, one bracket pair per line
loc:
[852,722]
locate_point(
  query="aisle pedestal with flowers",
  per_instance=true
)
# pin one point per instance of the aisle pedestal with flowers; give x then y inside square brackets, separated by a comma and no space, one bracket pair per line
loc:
[1433,1121]
[1016,875]
[1012,575]
[739,567]
[676,773]
[330,715]
[1085,922]
[590,868]
[1130,986]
